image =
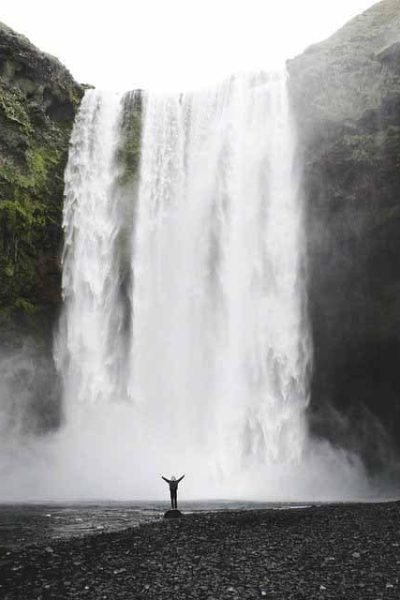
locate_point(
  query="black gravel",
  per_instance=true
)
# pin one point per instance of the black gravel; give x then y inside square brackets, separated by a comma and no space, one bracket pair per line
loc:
[335,551]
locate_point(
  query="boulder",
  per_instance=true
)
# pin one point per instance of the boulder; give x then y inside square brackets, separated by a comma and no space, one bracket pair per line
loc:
[173,513]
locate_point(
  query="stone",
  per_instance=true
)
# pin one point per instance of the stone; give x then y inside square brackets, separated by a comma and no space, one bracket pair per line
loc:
[173,513]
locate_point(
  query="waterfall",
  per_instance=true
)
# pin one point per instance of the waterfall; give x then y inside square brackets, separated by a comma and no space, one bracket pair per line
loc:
[92,220]
[219,340]
[183,345]
[195,357]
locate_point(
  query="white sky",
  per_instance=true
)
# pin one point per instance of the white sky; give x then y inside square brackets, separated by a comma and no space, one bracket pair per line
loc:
[173,44]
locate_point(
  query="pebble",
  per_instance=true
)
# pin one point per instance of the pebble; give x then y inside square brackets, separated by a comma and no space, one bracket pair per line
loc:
[277,555]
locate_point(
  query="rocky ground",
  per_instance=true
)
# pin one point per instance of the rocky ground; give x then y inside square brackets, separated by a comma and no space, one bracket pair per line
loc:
[338,551]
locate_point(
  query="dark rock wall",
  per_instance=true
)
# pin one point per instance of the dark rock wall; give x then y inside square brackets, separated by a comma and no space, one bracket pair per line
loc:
[38,102]
[346,97]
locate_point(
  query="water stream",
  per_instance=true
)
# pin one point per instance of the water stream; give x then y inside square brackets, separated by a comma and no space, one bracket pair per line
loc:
[184,345]
[202,366]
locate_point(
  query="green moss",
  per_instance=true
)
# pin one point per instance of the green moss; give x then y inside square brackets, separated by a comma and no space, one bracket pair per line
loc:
[22,219]
[128,154]
[12,105]
[26,306]
[31,193]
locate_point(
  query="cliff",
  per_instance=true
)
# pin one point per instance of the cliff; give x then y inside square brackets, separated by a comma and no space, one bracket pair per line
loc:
[345,94]
[38,101]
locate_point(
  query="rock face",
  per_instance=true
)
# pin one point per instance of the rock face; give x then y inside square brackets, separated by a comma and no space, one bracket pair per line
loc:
[38,101]
[346,97]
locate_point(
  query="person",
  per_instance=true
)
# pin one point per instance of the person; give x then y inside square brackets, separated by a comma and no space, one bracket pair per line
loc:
[173,489]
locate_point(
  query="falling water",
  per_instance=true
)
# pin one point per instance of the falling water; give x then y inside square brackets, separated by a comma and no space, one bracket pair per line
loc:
[92,221]
[184,345]
[218,351]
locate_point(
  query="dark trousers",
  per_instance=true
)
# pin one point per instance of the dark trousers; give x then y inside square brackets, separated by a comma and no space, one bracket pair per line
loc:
[174,502]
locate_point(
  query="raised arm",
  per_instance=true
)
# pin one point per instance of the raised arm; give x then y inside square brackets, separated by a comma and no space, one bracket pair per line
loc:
[165,479]
[180,478]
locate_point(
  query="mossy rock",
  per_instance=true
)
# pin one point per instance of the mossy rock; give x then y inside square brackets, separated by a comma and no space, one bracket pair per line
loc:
[38,102]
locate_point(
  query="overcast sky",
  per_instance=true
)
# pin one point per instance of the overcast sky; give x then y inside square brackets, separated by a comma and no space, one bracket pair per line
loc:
[173,44]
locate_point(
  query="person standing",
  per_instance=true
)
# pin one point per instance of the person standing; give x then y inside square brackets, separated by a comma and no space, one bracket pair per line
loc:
[173,489]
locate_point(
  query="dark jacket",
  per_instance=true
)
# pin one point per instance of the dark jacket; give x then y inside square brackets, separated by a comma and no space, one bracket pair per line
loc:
[173,484]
